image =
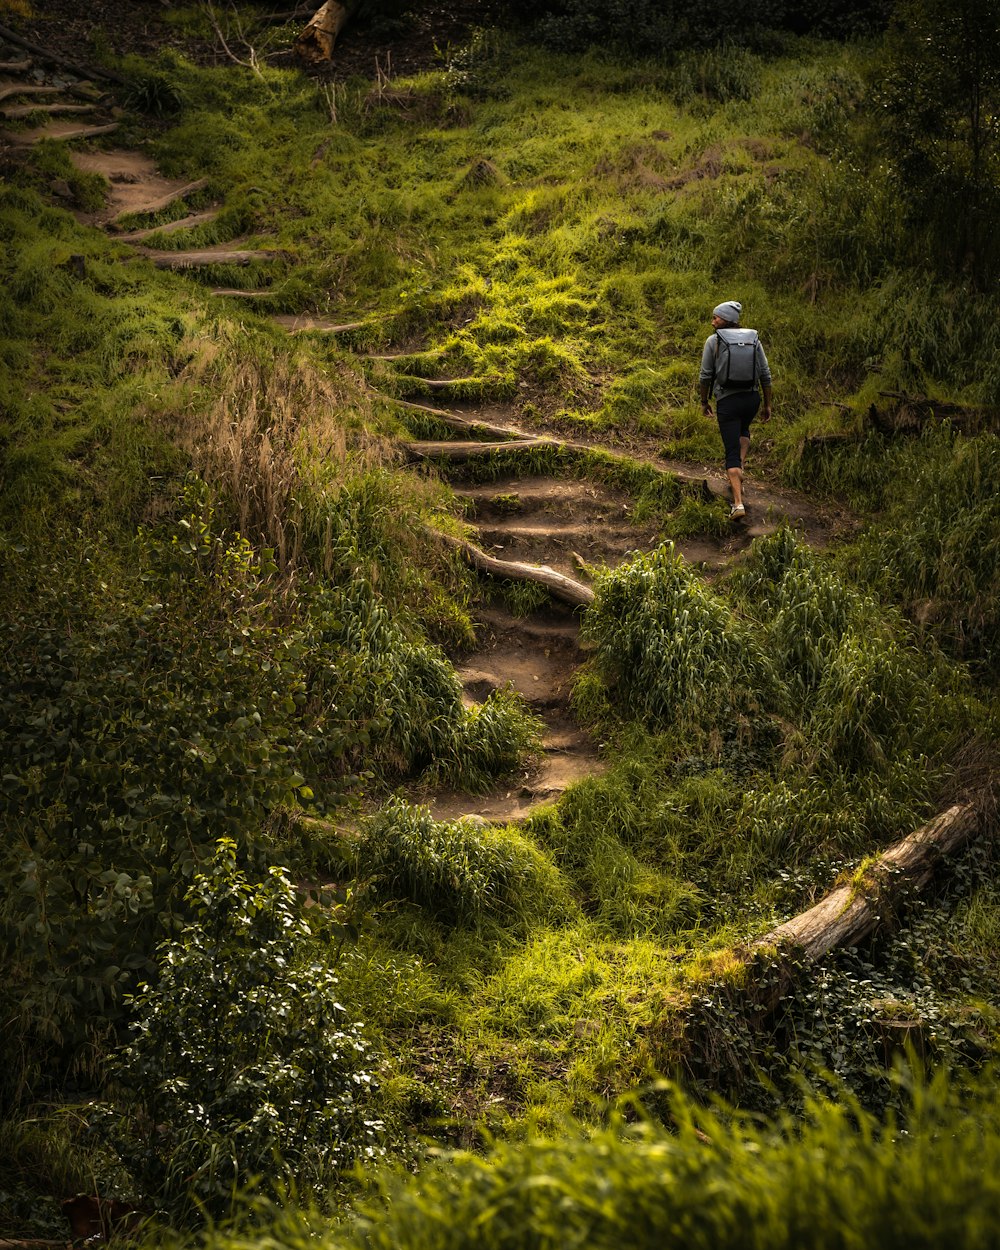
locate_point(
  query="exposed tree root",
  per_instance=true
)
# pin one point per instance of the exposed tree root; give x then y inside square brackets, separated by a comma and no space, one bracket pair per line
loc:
[560,586]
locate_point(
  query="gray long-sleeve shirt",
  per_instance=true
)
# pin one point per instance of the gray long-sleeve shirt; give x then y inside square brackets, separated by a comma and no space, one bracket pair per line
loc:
[707,373]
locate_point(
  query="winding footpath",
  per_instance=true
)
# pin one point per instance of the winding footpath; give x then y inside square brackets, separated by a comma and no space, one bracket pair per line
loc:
[525,526]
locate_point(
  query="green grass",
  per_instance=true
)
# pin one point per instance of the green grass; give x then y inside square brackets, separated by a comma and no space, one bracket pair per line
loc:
[556,229]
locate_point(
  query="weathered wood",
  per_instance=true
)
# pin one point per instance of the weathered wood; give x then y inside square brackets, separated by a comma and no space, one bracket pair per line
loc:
[235,292]
[460,452]
[8,89]
[850,913]
[438,384]
[316,41]
[54,58]
[202,258]
[185,223]
[14,111]
[15,67]
[161,202]
[557,584]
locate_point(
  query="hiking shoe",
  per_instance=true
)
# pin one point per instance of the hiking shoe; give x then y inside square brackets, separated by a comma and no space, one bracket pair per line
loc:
[737,510]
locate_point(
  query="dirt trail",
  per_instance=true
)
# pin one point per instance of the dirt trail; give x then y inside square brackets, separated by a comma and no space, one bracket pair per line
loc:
[571,525]
[574,526]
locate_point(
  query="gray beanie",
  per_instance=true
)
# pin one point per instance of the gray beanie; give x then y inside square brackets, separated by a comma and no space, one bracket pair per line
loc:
[729,311]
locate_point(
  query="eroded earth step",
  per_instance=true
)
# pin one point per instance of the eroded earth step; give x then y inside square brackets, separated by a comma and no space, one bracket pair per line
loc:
[60,131]
[135,184]
[538,655]
[13,111]
[172,227]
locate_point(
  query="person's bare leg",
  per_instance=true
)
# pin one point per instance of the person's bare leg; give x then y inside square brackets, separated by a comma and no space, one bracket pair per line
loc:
[744,448]
[736,483]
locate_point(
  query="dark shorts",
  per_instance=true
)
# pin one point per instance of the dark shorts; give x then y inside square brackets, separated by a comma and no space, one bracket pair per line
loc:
[734,414]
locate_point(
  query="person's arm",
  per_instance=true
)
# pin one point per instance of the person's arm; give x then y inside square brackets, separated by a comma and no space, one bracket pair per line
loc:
[764,373]
[707,374]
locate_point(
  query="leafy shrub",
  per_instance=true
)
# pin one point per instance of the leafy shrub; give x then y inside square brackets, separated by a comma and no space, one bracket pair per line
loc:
[460,872]
[242,1062]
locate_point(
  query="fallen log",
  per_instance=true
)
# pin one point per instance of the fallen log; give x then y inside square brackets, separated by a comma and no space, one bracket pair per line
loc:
[206,257]
[316,40]
[460,452]
[557,584]
[184,223]
[299,323]
[850,913]
[64,132]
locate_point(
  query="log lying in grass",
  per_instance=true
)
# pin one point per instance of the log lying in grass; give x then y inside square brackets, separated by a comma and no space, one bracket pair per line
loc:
[200,259]
[14,111]
[62,131]
[557,584]
[302,323]
[9,89]
[851,912]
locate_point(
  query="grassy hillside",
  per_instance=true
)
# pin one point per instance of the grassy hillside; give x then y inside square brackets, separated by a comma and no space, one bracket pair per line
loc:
[228,639]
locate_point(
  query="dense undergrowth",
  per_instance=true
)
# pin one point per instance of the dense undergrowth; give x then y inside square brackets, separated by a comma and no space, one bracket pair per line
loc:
[223,635]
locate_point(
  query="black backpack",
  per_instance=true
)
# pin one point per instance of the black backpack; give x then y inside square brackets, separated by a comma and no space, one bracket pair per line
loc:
[736,358]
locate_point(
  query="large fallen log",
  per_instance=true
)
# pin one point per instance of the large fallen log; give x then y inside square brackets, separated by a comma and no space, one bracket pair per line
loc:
[316,41]
[850,913]
[557,584]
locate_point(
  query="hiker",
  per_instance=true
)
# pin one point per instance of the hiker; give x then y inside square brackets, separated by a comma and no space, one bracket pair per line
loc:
[733,364]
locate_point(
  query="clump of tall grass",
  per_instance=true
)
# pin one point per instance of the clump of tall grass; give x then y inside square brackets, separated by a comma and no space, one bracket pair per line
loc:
[839,1175]
[670,648]
[462,873]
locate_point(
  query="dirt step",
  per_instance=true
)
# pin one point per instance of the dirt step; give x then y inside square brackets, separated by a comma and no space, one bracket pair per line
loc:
[301,323]
[14,111]
[518,499]
[521,796]
[550,627]
[172,227]
[9,89]
[61,131]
